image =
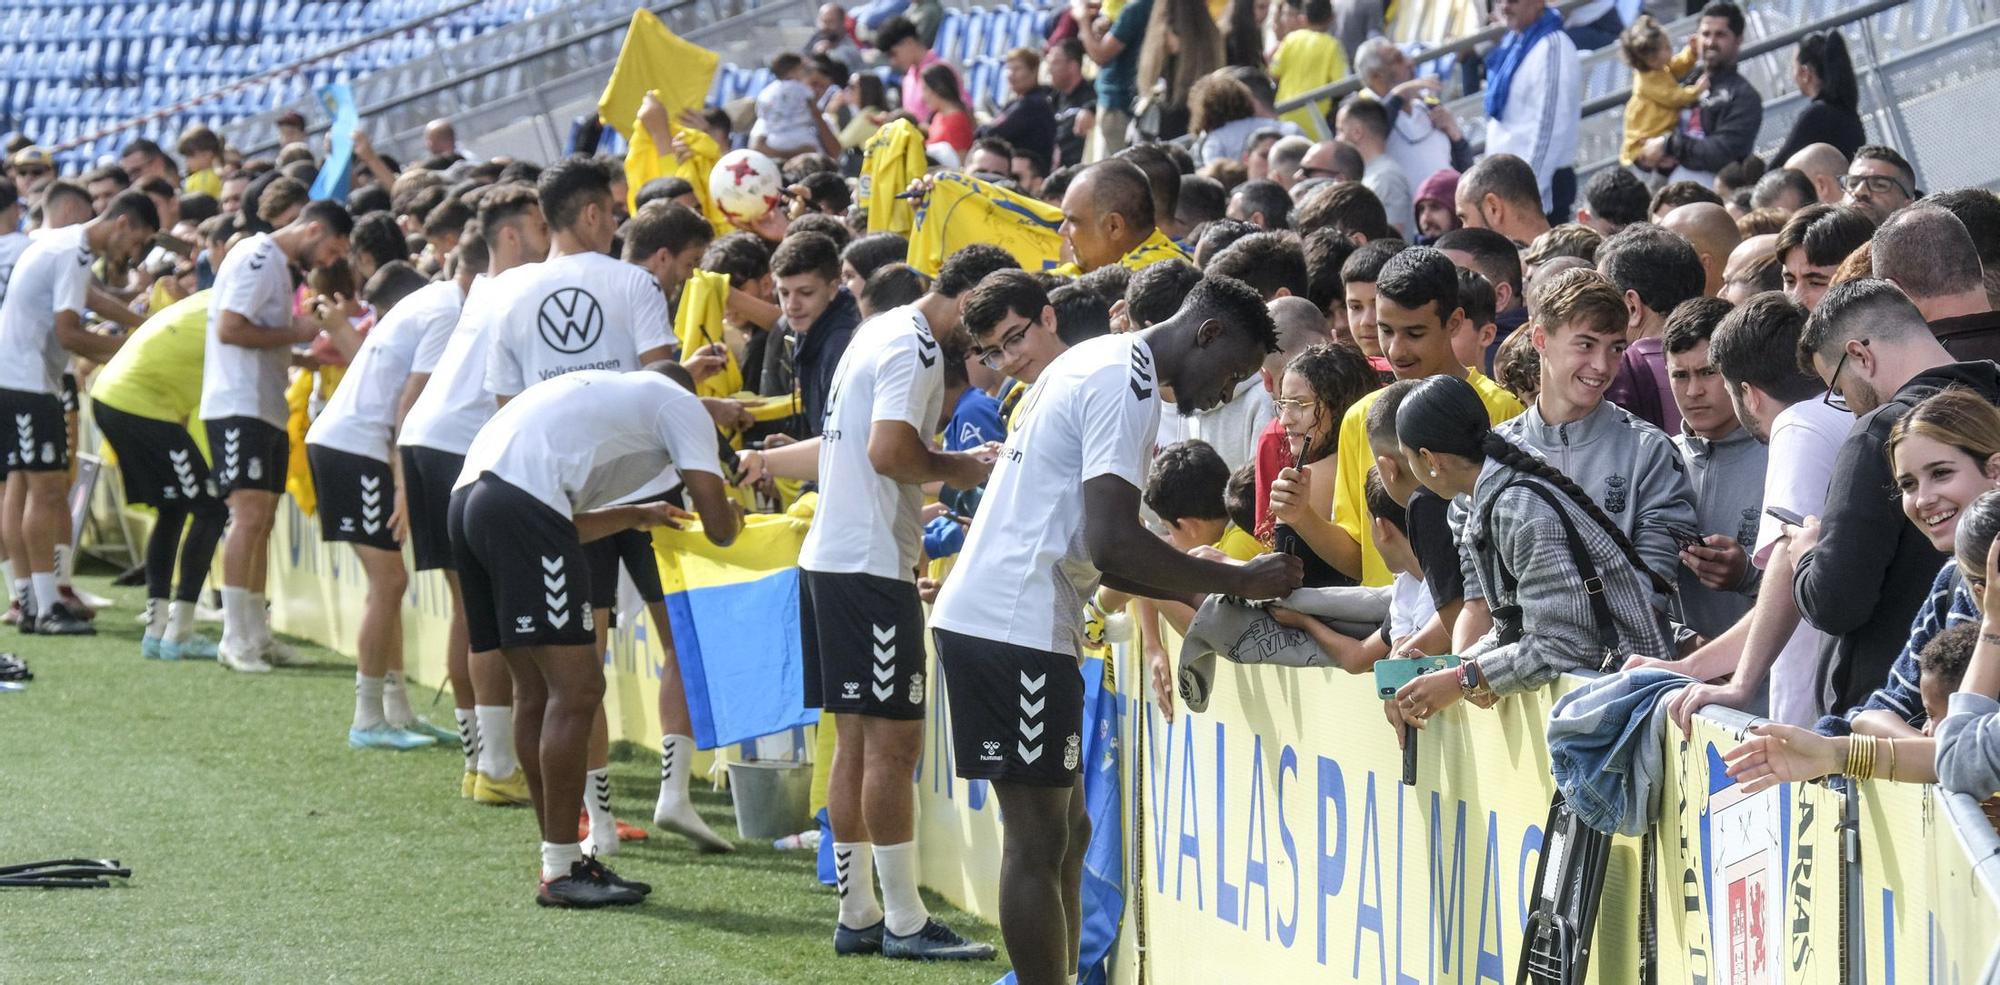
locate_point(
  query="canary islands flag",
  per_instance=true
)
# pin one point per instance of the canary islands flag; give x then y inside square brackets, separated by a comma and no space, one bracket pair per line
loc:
[698,323]
[734,613]
[962,210]
[654,58]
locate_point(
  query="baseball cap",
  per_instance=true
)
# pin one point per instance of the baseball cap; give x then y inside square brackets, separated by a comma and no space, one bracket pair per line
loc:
[32,157]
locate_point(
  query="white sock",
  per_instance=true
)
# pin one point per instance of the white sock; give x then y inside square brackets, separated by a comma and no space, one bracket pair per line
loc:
[367,701]
[180,622]
[65,564]
[260,615]
[597,804]
[24,594]
[43,584]
[903,908]
[496,741]
[396,700]
[236,626]
[556,859]
[854,876]
[156,618]
[676,755]
[468,736]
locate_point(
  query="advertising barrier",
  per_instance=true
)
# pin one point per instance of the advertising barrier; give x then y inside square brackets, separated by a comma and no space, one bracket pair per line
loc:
[1271,838]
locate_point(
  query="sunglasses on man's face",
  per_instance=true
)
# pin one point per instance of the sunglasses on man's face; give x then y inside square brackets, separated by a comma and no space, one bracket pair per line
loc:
[31,172]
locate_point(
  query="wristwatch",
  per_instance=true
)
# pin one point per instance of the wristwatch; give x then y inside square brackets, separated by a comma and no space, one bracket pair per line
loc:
[1470,680]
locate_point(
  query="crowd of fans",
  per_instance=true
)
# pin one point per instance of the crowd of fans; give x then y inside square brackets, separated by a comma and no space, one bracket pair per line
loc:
[1665,420]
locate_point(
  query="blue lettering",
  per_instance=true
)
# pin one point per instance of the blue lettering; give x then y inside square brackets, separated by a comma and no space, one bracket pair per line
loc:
[1288,762]
[1492,964]
[1368,917]
[1445,900]
[1190,822]
[1531,844]
[1332,868]
[1888,936]
[1225,894]
[1256,839]
[1161,775]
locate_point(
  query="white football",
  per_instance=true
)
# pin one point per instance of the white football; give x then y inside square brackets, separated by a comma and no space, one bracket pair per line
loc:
[745,185]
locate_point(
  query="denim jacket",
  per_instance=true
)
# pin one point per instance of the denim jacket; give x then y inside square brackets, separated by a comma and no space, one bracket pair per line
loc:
[1607,748]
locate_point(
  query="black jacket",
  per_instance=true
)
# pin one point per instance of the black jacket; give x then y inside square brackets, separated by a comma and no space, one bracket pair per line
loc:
[1863,583]
[1969,337]
[1823,123]
[1731,112]
[1068,105]
[805,364]
[1029,124]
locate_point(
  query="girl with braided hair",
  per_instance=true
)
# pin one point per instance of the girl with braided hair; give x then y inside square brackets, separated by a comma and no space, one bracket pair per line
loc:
[1567,589]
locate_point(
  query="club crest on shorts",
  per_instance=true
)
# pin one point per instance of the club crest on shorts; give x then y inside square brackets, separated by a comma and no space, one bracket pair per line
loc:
[917,688]
[255,470]
[1072,751]
[49,452]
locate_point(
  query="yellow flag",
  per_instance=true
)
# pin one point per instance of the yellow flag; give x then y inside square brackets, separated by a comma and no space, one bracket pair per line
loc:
[654,58]
[644,161]
[298,418]
[699,323]
[890,160]
[962,210]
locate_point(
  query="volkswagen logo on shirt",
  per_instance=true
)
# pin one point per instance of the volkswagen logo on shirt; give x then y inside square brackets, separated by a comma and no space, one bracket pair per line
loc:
[570,320]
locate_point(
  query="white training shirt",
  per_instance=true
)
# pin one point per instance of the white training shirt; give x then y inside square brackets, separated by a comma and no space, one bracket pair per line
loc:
[1805,439]
[869,523]
[1025,571]
[11,246]
[255,281]
[430,348]
[576,312]
[455,403]
[360,419]
[52,274]
[594,438]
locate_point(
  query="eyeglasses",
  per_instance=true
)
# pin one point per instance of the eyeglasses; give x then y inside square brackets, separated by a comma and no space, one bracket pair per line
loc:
[992,357]
[1877,184]
[1834,398]
[1297,404]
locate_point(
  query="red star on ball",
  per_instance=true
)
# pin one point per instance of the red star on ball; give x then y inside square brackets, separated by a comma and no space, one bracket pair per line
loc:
[741,168]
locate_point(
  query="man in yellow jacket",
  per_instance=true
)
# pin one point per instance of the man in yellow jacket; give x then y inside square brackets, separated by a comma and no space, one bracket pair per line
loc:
[1108,218]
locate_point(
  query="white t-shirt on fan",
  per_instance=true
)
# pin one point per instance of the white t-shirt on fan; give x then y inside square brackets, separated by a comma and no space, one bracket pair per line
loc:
[1026,571]
[866,522]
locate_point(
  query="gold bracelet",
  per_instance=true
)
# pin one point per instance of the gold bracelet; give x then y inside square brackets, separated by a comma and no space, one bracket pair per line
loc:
[1860,757]
[1890,773]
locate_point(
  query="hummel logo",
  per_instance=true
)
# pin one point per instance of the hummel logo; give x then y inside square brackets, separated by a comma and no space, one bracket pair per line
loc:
[524,623]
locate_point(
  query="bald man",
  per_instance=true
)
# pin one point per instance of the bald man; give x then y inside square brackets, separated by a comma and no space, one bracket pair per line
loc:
[1824,164]
[1108,219]
[1500,194]
[1752,269]
[1712,232]
[1332,159]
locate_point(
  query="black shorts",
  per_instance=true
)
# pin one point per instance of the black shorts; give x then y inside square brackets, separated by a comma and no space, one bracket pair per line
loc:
[1016,712]
[248,454]
[37,435]
[159,460]
[524,575]
[356,495]
[863,639]
[428,475]
[632,548]
[69,398]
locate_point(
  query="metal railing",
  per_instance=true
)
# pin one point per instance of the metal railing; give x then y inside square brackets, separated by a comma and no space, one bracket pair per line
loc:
[1342,88]
[497,68]
[269,75]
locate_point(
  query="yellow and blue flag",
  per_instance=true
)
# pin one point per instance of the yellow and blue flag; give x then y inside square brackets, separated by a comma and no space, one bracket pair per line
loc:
[734,613]
[962,210]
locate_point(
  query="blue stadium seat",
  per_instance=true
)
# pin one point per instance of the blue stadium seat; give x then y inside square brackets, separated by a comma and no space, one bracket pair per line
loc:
[951,34]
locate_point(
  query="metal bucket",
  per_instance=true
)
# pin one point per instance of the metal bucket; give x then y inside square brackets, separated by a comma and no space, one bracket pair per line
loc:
[771,797]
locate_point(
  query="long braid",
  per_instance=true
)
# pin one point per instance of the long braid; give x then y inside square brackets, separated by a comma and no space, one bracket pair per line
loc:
[1512,456]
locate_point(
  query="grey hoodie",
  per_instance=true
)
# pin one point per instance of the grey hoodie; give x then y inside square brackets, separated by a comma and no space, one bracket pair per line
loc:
[1968,746]
[1628,466]
[1728,480]
[1511,526]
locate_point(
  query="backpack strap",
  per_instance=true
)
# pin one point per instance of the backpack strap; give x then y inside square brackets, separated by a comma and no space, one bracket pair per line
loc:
[1593,585]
